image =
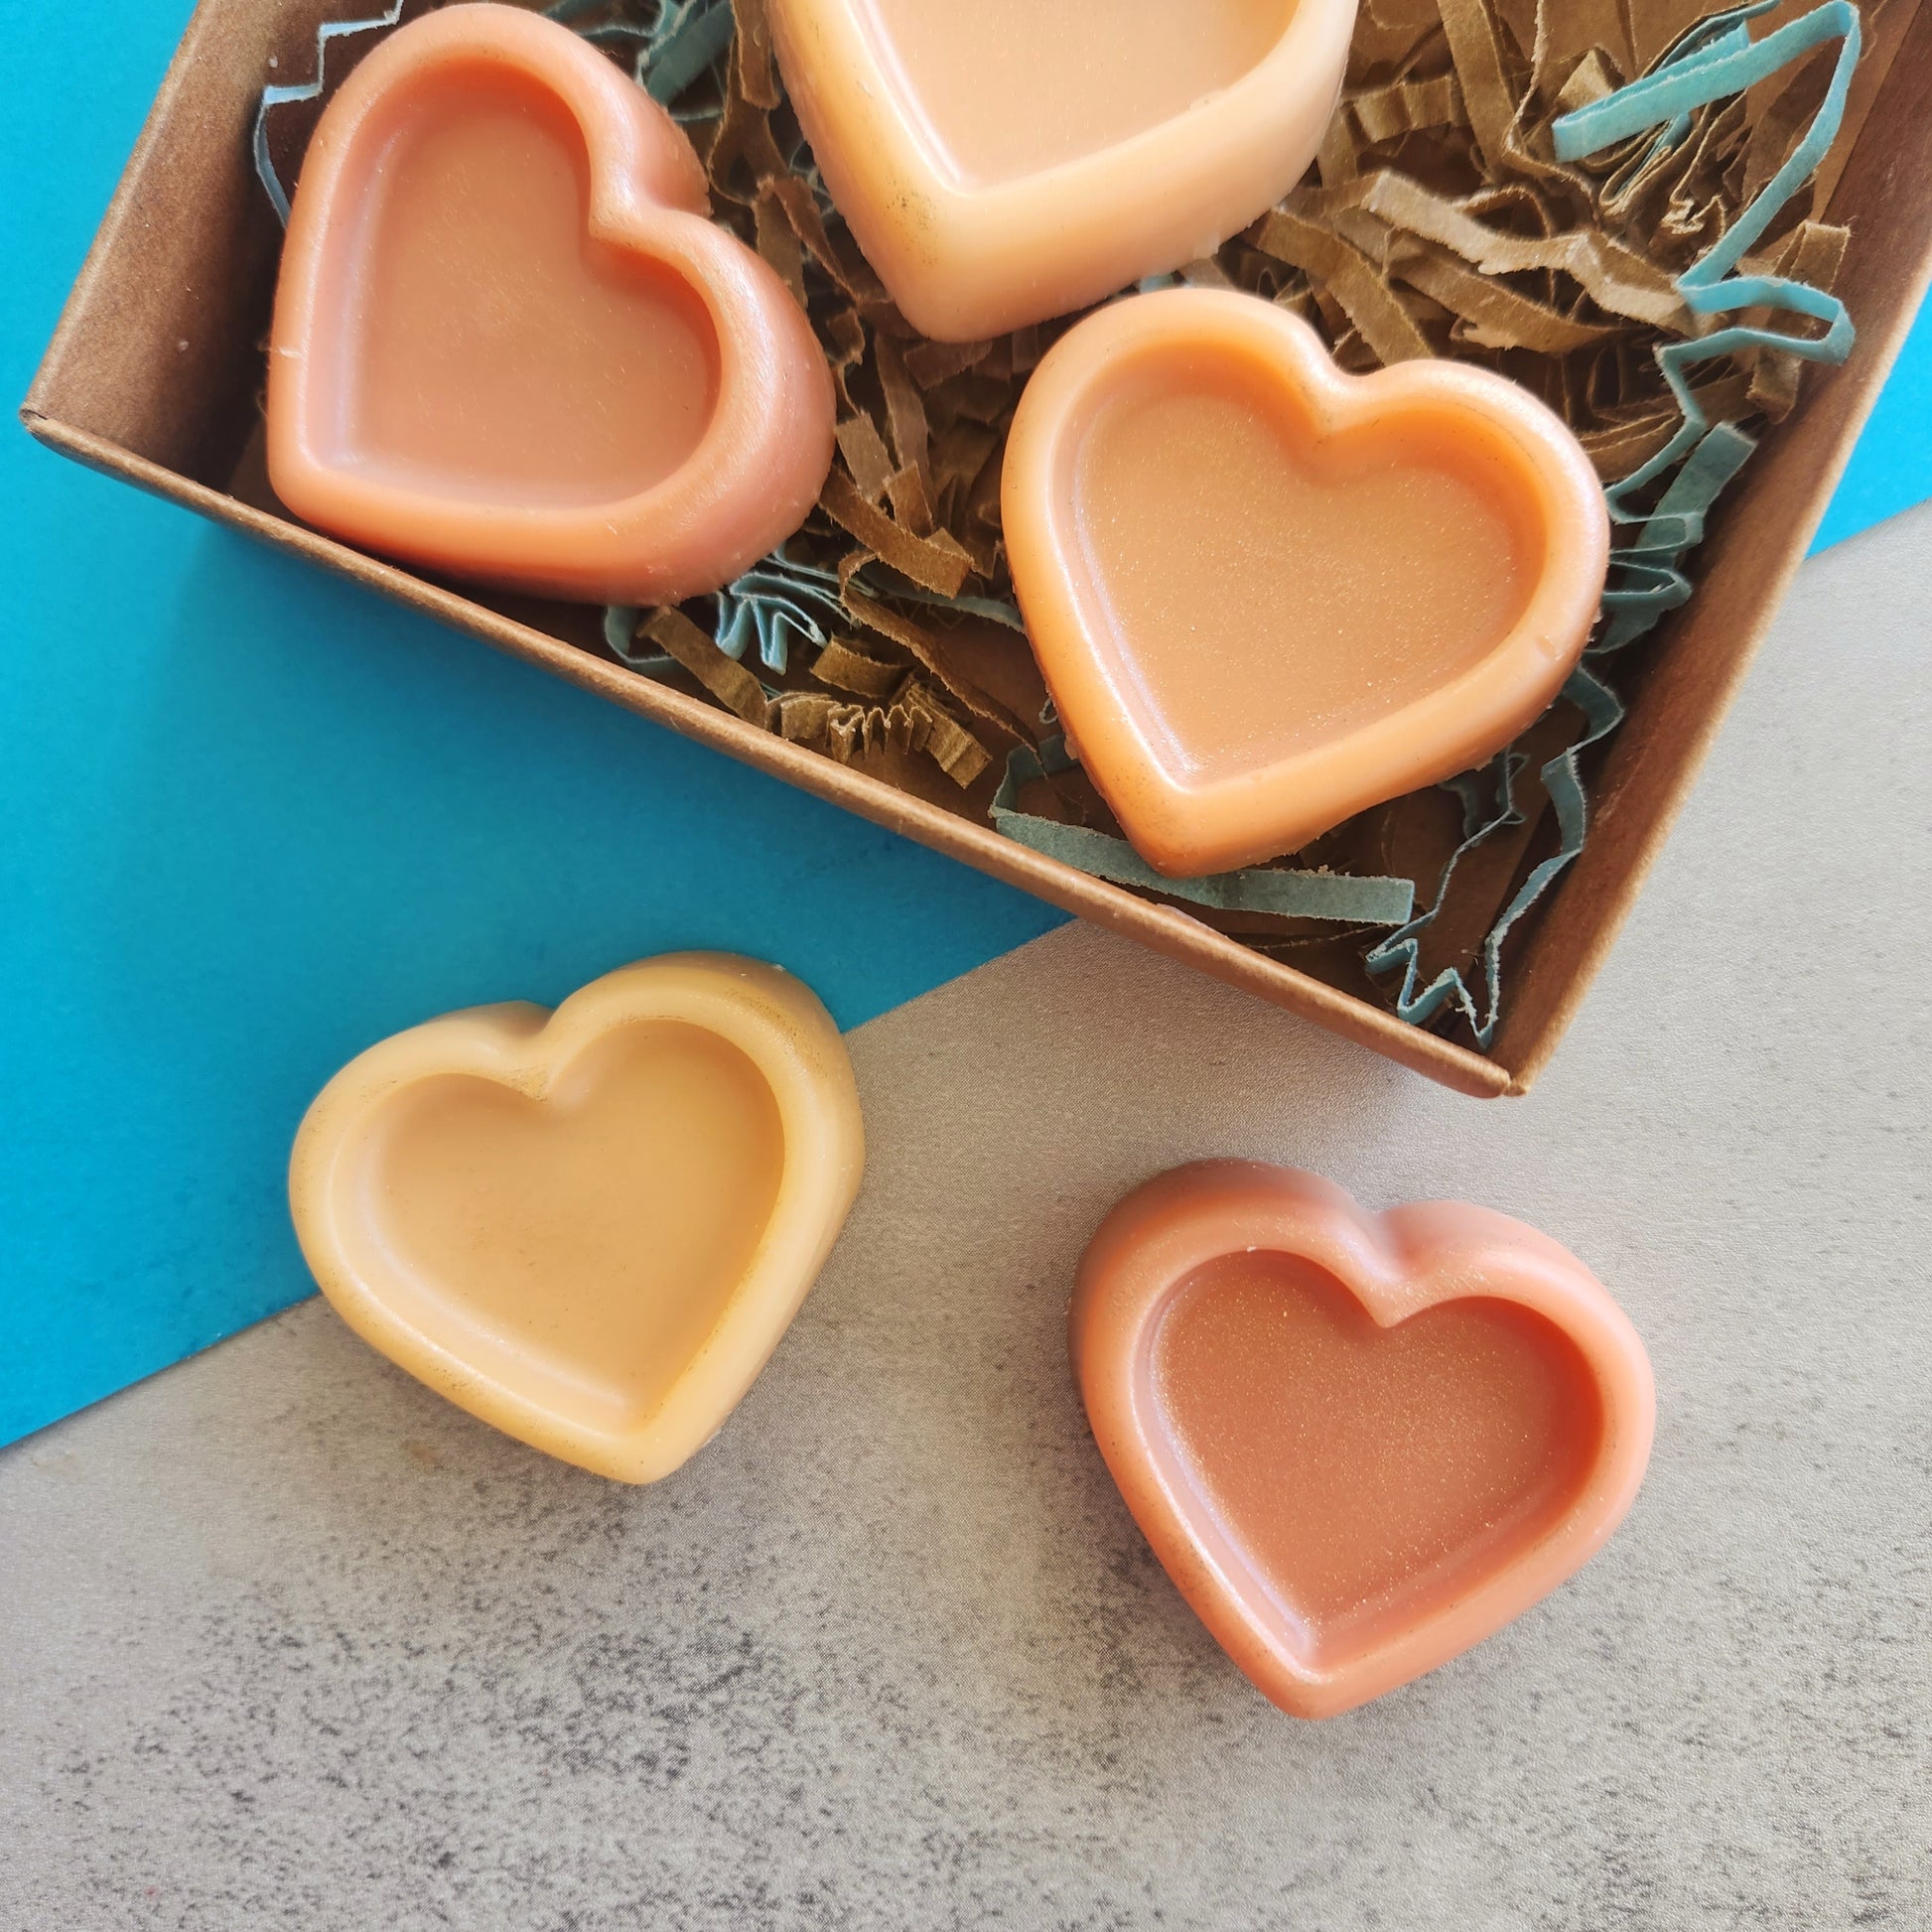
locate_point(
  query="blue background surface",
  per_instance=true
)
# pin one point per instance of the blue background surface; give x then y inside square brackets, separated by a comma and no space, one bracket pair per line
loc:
[1891,469]
[252,819]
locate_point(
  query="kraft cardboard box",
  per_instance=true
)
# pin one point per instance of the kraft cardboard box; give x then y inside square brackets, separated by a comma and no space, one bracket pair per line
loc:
[154,372]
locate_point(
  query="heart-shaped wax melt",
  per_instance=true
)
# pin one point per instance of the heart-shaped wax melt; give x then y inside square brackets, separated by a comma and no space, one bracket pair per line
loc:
[589,1227]
[507,342]
[1268,594]
[1357,1443]
[1004,161]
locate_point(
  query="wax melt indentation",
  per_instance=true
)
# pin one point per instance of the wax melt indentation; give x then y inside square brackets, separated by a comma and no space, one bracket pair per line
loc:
[491,348]
[1267,590]
[587,1242]
[1366,1474]
[1006,87]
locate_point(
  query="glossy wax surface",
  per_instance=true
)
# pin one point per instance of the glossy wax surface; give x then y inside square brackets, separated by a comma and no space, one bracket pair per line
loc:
[1357,1443]
[1362,1469]
[1002,162]
[1272,588]
[509,345]
[589,1227]
[1009,87]
[492,346]
[594,1237]
[1267,594]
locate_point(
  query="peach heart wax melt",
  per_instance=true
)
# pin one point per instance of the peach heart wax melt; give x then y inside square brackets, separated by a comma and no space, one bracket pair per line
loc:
[1004,161]
[1358,1443]
[507,342]
[1267,595]
[589,1227]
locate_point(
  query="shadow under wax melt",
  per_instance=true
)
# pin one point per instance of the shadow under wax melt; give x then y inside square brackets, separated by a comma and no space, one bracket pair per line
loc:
[509,345]
[1359,1444]
[589,1227]
[1267,595]
[1002,162]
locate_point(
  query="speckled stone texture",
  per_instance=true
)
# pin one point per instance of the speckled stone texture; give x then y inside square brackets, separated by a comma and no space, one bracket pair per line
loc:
[289,1643]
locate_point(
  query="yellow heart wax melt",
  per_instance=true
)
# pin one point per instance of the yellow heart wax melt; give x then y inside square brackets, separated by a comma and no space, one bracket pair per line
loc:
[589,1227]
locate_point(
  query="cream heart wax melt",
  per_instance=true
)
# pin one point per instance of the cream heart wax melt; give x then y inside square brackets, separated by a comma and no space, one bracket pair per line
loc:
[589,1227]
[1004,161]
[1357,1443]
[1266,594]
[508,344]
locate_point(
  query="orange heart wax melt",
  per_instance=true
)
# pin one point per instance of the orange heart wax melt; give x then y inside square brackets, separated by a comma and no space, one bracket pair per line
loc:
[589,1227]
[1004,161]
[1358,1443]
[1267,595]
[508,344]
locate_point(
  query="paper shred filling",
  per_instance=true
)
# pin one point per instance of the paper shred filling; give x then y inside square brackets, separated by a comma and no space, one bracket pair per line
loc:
[1618,209]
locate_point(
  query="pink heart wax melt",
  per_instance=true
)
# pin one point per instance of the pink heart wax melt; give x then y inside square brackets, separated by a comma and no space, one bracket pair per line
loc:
[1359,1444]
[507,342]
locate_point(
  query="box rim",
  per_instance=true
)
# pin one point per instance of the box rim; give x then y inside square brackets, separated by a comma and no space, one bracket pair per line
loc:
[1164,928]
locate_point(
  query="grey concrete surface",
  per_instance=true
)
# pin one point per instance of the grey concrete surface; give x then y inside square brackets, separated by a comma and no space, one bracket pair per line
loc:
[288,1642]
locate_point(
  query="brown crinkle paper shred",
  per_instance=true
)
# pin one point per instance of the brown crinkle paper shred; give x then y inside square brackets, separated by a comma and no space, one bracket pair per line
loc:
[1437,221]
